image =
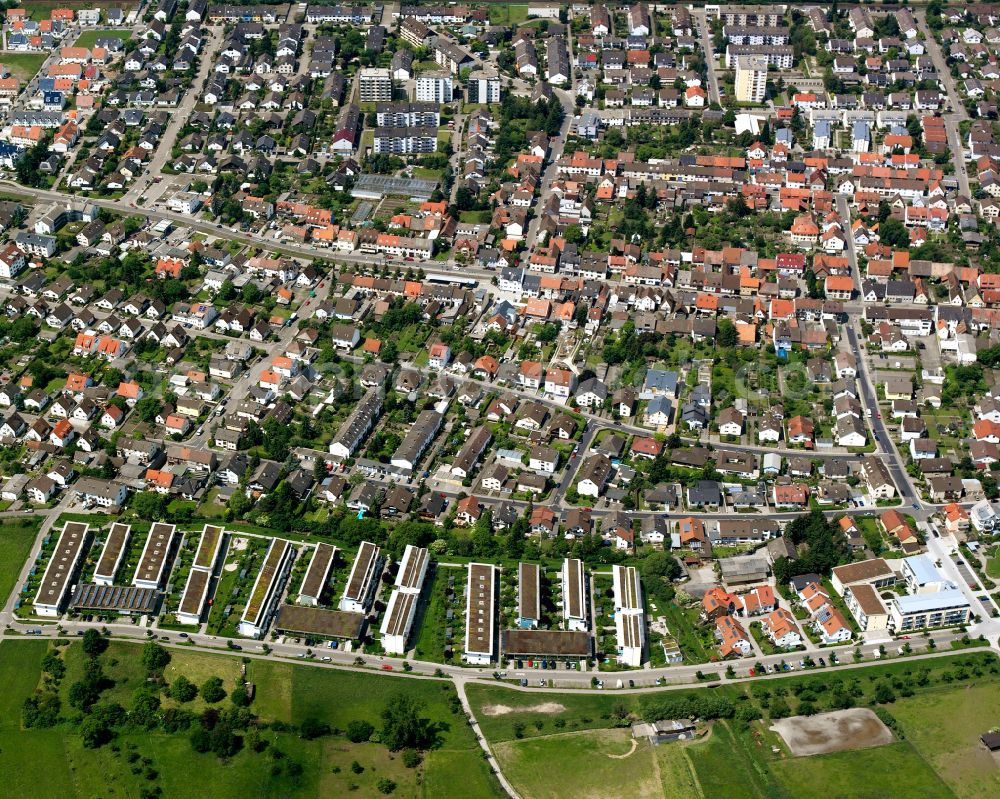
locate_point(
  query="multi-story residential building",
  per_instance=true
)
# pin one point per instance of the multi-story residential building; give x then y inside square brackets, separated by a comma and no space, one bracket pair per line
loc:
[434,88]
[405,140]
[483,87]
[375,85]
[751,79]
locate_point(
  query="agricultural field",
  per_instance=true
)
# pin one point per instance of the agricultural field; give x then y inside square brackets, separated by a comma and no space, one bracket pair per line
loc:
[934,712]
[282,762]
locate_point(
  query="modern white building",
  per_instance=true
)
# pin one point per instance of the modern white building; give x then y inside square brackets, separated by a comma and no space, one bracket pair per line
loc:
[529,605]
[154,560]
[434,88]
[317,574]
[397,621]
[574,594]
[265,596]
[112,554]
[361,585]
[62,566]
[945,608]
[195,595]
[483,87]
[630,620]
[480,614]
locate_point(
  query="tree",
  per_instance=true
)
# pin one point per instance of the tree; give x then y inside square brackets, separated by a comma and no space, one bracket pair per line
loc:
[358,731]
[240,696]
[726,335]
[83,694]
[154,657]
[779,708]
[41,710]
[95,732]
[893,233]
[147,408]
[574,234]
[94,643]
[411,758]
[212,690]
[402,726]
[660,566]
[149,505]
[54,666]
[28,172]
[183,690]
[385,785]
[145,709]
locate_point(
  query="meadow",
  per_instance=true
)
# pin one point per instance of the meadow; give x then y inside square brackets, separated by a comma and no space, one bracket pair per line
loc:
[289,766]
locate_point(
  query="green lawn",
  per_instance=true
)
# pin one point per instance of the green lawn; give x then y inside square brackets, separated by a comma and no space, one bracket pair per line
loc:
[16,539]
[289,767]
[431,620]
[89,38]
[23,66]
[683,625]
[993,567]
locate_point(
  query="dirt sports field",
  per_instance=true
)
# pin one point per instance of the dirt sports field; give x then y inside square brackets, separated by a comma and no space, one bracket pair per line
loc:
[857,728]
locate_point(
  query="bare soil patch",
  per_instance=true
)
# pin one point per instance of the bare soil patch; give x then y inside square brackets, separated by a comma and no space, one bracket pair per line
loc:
[857,728]
[503,710]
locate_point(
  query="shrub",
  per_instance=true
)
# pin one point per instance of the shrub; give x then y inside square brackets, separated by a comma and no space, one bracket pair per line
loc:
[359,731]
[314,728]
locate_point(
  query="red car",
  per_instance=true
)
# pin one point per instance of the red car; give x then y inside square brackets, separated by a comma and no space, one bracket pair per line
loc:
[386,667]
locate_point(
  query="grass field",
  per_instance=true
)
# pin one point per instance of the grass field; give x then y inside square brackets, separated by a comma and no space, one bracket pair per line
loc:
[579,764]
[717,762]
[937,754]
[582,711]
[508,13]
[290,767]
[23,66]
[895,770]
[16,539]
[89,38]
[945,726]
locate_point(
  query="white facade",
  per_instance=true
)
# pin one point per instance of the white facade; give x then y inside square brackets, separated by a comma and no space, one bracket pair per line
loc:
[751,79]
[434,89]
